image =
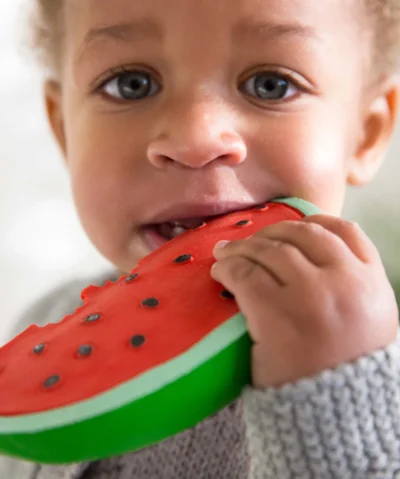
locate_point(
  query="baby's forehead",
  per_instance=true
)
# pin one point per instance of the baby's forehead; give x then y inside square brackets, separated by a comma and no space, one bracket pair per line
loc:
[305,12]
[208,19]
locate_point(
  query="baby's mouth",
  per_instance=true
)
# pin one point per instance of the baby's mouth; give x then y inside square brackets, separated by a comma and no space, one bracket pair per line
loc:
[173,229]
[182,218]
[157,235]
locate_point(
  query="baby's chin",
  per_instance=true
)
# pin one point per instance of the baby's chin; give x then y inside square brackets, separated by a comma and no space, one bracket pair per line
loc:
[128,260]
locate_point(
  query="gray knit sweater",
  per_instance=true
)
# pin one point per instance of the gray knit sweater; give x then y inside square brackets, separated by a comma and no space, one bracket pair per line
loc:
[342,424]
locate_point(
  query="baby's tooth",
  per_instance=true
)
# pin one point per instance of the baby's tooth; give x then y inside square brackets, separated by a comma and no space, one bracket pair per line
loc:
[177,231]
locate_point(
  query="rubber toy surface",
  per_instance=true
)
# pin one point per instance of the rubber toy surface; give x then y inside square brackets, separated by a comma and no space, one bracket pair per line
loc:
[143,359]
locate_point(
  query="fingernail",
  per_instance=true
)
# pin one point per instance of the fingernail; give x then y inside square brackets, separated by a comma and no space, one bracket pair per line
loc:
[221,244]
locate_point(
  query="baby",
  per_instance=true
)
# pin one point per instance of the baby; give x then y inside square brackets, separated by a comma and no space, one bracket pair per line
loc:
[168,112]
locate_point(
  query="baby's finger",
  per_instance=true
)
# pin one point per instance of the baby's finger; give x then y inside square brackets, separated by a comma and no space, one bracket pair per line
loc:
[234,271]
[253,288]
[318,244]
[350,233]
[283,261]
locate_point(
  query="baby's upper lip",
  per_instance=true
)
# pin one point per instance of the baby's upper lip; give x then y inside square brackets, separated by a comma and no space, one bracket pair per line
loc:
[181,212]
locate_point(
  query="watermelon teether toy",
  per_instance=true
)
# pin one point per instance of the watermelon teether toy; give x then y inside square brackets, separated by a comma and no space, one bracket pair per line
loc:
[142,360]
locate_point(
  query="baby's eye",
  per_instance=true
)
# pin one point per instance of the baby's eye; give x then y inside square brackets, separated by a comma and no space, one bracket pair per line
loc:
[269,86]
[133,85]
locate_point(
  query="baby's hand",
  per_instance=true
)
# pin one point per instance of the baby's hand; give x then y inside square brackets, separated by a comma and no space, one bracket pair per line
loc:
[315,295]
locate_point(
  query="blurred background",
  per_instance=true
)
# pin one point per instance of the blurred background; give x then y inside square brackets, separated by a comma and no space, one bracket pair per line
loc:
[41,241]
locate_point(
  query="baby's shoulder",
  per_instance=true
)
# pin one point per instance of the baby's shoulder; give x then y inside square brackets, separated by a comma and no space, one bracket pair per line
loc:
[14,469]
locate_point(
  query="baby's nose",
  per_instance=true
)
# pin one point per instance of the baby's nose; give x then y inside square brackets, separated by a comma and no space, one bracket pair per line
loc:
[196,137]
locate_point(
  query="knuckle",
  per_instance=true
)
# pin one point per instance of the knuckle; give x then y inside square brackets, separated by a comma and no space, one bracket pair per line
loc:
[309,227]
[263,248]
[239,268]
[286,249]
[258,246]
[350,228]
[263,232]
[278,227]
[314,229]
[351,225]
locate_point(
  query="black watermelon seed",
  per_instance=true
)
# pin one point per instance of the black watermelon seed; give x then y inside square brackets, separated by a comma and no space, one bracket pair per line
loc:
[227,294]
[92,318]
[51,381]
[131,278]
[243,223]
[184,258]
[39,349]
[85,351]
[138,341]
[150,302]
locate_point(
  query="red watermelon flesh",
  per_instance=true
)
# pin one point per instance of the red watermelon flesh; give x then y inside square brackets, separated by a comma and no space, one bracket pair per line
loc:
[168,304]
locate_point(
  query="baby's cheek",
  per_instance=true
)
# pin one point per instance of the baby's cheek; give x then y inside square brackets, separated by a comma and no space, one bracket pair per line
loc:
[314,174]
[95,202]
[315,162]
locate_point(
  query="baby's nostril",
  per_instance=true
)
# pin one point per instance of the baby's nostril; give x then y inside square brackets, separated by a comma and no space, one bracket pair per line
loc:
[159,160]
[166,159]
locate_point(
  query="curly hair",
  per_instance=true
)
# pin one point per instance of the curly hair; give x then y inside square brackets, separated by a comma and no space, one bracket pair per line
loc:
[381,17]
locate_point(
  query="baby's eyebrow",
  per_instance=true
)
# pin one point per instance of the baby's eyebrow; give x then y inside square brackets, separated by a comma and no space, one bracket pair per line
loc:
[148,28]
[265,30]
[124,31]
[142,28]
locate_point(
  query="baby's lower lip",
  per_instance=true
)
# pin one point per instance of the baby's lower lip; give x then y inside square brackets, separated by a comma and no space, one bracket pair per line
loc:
[153,238]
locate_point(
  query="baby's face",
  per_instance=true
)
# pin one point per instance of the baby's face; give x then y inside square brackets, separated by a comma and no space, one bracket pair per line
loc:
[181,109]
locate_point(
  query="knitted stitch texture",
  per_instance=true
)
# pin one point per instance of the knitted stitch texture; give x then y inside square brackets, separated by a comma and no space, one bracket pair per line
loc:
[343,424]
[215,449]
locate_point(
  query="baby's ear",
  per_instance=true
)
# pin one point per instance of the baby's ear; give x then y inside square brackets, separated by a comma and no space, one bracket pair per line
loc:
[377,127]
[52,91]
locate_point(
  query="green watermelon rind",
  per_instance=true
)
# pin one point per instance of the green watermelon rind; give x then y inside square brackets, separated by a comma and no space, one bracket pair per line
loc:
[305,207]
[100,427]
[158,404]
[132,390]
